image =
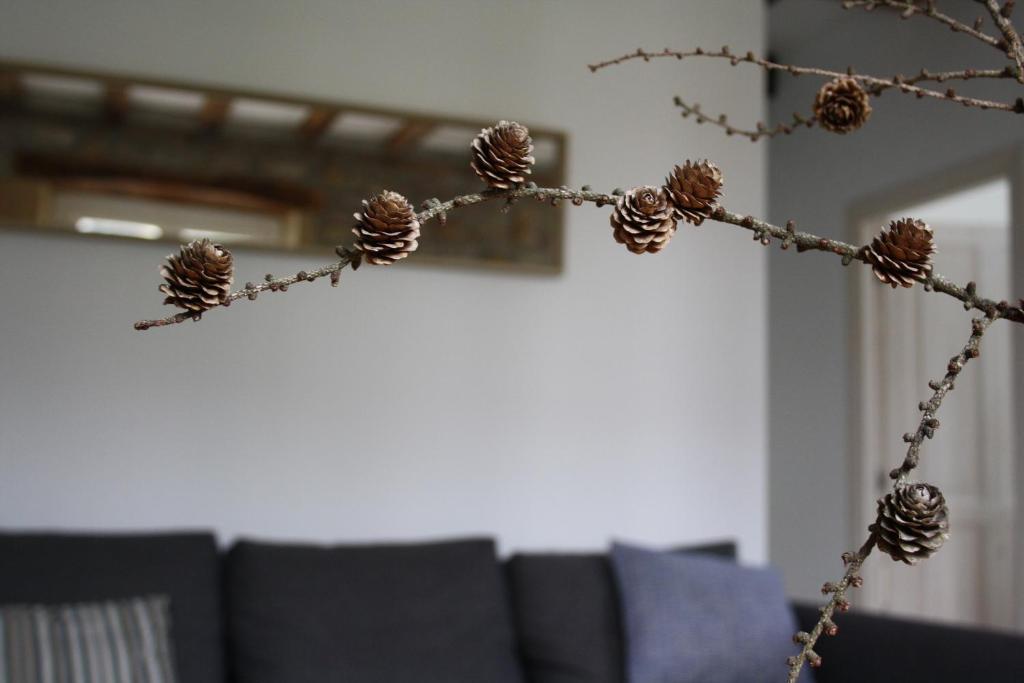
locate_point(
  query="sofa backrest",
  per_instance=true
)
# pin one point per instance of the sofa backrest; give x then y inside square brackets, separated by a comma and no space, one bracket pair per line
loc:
[395,613]
[566,610]
[286,603]
[62,568]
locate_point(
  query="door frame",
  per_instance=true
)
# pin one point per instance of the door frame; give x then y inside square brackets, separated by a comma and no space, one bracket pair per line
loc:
[1008,162]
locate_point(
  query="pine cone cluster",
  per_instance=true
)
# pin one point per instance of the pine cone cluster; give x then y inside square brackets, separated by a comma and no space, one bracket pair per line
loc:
[902,254]
[387,229]
[644,220]
[199,277]
[913,523]
[502,155]
[693,189]
[842,106]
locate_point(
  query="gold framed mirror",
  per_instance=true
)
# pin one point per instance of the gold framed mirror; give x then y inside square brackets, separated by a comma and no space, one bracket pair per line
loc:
[135,158]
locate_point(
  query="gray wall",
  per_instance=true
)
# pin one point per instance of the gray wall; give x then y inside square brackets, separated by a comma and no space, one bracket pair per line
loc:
[818,179]
[617,399]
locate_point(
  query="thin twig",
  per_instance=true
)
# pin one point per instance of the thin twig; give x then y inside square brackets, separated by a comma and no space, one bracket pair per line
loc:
[807,640]
[943,76]
[1011,39]
[762,131]
[874,84]
[927,9]
[763,231]
[929,423]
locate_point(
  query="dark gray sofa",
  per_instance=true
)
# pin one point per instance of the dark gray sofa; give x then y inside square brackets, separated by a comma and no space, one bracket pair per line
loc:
[450,611]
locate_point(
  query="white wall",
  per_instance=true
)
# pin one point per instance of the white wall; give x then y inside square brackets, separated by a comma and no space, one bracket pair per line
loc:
[817,179]
[624,398]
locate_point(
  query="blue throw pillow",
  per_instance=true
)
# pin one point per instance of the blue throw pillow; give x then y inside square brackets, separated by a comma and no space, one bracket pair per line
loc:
[698,619]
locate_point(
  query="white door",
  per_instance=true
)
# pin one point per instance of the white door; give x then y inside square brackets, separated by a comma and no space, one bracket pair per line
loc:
[906,339]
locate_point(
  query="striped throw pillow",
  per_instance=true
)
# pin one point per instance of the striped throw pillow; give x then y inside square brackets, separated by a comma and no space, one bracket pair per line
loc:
[125,641]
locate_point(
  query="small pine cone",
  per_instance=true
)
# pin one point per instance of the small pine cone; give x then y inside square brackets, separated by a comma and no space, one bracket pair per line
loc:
[913,522]
[643,220]
[502,155]
[842,106]
[902,254]
[199,277]
[693,188]
[387,228]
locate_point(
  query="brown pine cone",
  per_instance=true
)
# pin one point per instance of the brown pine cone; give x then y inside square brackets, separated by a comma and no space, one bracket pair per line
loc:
[913,523]
[693,188]
[502,155]
[643,220]
[387,228]
[199,277]
[842,106]
[902,254]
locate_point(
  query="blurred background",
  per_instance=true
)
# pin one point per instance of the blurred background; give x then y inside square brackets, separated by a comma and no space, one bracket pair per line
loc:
[527,378]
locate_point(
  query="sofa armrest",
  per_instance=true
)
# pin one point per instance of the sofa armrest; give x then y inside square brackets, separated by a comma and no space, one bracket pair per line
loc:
[880,649]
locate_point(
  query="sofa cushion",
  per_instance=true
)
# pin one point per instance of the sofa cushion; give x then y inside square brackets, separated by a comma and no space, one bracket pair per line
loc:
[53,569]
[98,642]
[428,613]
[566,609]
[692,618]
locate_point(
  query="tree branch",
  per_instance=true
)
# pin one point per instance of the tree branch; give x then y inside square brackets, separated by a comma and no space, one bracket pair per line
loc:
[251,290]
[435,209]
[910,9]
[1011,39]
[805,241]
[806,640]
[873,84]
[798,120]
[925,429]
[928,424]
[763,232]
